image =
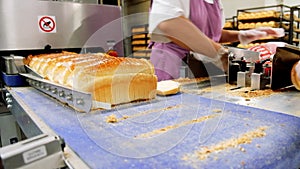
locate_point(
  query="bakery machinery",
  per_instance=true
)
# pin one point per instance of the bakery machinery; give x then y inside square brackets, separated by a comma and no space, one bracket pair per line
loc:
[55,27]
[195,128]
[38,27]
[241,66]
[285,58]
[58,26]
[44,148]
[248,69]
[178,131]
[183,130]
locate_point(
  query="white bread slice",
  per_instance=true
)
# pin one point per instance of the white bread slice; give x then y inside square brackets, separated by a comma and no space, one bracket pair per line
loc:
[167,87]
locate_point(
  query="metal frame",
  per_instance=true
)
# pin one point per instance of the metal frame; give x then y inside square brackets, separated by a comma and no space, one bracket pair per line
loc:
[26,119]
[281,17]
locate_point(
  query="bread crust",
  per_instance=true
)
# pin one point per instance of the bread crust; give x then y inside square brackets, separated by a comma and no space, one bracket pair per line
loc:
[112,80]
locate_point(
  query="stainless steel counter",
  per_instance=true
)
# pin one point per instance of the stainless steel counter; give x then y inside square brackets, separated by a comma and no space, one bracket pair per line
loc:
[284,100]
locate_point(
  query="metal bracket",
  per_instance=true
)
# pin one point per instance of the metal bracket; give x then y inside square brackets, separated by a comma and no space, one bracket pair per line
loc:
[81,101]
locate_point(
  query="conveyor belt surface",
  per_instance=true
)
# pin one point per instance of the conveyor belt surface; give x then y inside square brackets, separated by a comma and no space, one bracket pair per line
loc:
[179,131]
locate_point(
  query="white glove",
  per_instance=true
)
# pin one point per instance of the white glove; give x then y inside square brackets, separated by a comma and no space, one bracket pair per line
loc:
[248,36]
[206,59]
[275,32]
[221,60]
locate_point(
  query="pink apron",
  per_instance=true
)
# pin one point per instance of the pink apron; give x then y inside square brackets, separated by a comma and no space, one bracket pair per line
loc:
[167,57]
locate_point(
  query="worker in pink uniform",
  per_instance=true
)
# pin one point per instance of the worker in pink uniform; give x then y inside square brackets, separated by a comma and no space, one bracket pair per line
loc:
[178,27]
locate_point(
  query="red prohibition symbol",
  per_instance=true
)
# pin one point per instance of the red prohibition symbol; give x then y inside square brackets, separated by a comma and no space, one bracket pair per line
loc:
[47,24]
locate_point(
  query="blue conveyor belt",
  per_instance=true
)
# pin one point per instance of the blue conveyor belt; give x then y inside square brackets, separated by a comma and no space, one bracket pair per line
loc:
[171,132]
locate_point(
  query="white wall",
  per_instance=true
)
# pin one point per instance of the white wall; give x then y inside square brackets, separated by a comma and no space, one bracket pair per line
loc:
[231,6]
[285,2]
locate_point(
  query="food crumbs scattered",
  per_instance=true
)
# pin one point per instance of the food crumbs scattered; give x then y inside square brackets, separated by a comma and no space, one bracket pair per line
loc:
[125,117]
[111,119]
[247,93]
[217,111]
[242,149]
[193,80]
[168,128]
[245,138]
[150,111]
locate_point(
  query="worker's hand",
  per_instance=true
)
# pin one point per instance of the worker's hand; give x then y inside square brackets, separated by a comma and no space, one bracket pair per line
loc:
[220,60]
[275,32]
[248,36]
[225,65]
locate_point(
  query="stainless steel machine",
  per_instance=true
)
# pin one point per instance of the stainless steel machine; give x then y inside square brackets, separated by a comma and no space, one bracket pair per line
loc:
[246,69]
[37,27]
[54,135]
[283,61]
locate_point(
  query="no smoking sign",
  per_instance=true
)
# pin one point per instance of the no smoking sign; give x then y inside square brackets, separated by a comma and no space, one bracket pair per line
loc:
[47,24]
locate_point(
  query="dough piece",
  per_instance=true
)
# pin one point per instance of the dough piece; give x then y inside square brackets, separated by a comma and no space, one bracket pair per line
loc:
[259,24]
[140,54]
[139,36]
[167,87]
[272,24]
[138,42]
[138,29]
[137,48]
[252,25]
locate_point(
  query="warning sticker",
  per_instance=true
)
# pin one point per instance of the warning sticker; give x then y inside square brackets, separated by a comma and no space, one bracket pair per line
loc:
[47,24]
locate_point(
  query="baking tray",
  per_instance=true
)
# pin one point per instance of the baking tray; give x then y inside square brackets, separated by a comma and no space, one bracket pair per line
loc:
[126,144]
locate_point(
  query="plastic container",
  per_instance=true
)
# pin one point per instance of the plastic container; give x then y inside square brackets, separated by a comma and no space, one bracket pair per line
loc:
[13,80]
